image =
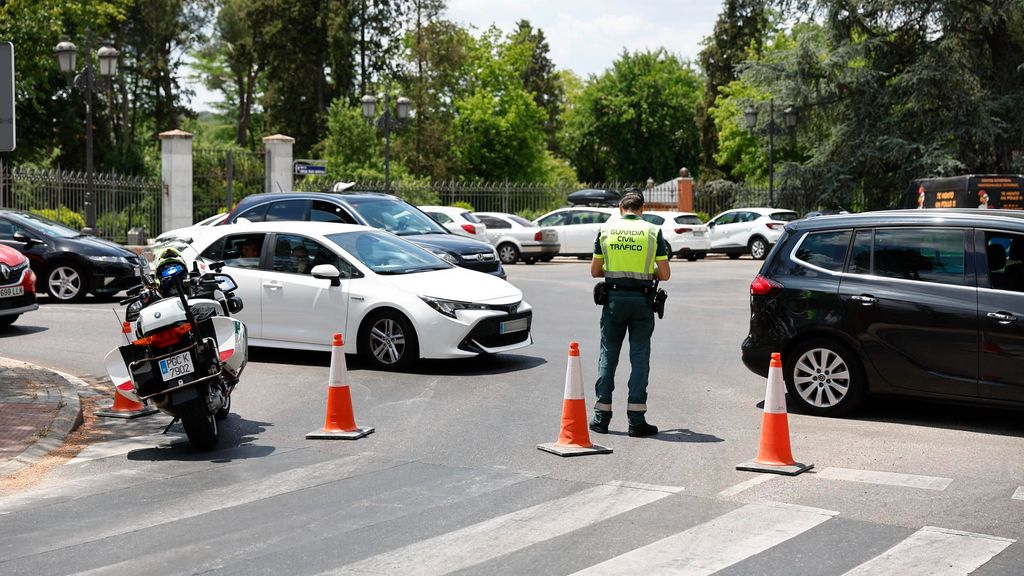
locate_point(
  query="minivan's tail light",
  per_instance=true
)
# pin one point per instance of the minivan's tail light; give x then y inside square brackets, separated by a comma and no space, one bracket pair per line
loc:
[776,225]
[469,228]
[762,286]
[538,236]
[682,230]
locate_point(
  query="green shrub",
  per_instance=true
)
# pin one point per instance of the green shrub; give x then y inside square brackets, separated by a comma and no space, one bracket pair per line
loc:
[531,214]
[464,205]
[63,215]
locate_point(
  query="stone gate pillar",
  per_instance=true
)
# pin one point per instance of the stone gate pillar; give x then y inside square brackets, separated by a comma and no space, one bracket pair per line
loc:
[684,198]
[176,175]
[278,150]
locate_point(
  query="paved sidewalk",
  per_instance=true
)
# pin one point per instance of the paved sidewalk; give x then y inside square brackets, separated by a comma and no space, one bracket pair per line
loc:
[38,409]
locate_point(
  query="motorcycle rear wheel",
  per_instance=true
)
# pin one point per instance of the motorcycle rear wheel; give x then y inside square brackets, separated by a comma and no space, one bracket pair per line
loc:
[200,425]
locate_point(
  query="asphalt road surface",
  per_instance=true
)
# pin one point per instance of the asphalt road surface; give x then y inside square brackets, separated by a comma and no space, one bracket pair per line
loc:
[452,482]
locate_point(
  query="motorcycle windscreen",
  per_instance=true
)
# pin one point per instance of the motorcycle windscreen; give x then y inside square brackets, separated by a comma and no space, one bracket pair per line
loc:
[232,343]
[119,375]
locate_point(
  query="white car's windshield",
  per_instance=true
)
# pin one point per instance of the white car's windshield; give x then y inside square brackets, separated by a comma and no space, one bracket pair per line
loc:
[385,254]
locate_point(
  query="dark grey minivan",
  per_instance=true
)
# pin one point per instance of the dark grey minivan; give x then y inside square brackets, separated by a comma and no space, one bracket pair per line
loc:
[912,302]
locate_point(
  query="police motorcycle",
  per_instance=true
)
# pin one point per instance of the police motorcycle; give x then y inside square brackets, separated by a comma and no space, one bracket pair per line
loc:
[188,352]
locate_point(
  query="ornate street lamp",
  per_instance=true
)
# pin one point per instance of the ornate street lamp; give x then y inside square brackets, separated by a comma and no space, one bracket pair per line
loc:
[386,122]
[67,55]
[789,118]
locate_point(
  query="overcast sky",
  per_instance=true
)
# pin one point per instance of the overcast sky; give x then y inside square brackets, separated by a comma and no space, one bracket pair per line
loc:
[585,36]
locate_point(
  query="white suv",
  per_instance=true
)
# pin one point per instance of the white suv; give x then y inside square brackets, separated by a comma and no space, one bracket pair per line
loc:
[459,220]
[748,231]
[577,228]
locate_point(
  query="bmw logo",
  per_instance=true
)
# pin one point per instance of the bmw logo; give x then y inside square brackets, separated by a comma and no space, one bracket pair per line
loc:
[156,314]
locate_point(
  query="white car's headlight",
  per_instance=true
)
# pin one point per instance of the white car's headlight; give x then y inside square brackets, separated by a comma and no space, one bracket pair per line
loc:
[449,307]
[110,259]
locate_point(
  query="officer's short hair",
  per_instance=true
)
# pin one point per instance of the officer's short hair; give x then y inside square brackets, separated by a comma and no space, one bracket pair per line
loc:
[632,201]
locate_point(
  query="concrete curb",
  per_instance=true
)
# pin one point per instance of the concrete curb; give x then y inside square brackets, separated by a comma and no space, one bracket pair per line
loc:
[69,416]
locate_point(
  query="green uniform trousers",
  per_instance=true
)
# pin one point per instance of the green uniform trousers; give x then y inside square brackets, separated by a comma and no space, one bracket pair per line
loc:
[626,312]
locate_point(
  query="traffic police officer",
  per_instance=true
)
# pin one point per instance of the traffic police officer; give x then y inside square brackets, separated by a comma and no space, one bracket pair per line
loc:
[630,254]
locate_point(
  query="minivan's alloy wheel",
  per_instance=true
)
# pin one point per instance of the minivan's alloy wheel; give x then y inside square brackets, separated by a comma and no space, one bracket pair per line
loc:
[389,341]
[824,377]
[508,253]
[65,283]
[758,248]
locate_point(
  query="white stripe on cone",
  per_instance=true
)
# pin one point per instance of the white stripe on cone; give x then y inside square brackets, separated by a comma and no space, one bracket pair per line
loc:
[775,395]
[337,377]
[573,378]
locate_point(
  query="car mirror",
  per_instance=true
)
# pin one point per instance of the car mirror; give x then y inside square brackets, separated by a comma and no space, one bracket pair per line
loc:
[711,224]
[327,272]
[225,283]
[25,239]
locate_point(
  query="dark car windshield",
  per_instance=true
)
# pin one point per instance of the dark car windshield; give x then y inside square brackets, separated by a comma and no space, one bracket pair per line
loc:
[385,254]
[46,226]
[395,216]
[784,216]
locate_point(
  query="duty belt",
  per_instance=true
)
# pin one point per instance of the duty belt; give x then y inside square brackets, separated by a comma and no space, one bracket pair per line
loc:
[644,289]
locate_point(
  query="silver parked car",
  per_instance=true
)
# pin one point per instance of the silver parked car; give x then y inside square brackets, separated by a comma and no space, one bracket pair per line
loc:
[518,239]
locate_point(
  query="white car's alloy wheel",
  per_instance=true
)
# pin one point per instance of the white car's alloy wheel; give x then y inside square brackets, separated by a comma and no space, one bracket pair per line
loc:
[387,341]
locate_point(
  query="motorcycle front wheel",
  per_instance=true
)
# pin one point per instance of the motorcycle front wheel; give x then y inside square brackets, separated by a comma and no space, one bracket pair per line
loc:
[200,425]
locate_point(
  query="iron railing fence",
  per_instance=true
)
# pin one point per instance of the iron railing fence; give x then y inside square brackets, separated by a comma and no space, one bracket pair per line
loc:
[223,176]
[528,200]
[123,203]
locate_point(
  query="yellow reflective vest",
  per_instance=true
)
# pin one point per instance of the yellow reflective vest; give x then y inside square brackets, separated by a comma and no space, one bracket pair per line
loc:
[629,247]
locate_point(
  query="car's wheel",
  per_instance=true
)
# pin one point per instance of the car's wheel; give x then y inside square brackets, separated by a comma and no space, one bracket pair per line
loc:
[66,283]
[734,255]
[529,260]
[388,340]
[824,377]
[758,248]
[8,320]
[508,253]
[200,425]
[692,256]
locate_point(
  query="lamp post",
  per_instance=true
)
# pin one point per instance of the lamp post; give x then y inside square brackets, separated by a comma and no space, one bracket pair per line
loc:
[386,122]
[67,54]
[772,127]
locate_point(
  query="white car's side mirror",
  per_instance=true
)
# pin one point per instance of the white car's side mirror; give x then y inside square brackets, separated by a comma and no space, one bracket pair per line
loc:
[327,272]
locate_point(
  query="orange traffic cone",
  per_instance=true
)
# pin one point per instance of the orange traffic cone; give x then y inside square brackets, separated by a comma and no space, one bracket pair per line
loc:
[125,407]
[574,440]
[774,454]
[340,423]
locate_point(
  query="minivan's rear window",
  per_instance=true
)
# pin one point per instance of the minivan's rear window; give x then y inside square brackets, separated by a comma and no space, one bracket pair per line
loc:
[825,249]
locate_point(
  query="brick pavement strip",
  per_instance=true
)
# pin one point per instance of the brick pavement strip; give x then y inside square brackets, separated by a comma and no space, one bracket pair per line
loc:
[38,409]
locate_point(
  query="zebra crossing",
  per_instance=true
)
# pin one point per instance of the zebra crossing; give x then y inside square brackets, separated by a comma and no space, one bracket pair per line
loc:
[306,511]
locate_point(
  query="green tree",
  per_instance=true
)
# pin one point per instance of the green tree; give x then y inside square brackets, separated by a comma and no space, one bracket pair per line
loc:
[636,120]
[739,33]
[498,130]
[540,78]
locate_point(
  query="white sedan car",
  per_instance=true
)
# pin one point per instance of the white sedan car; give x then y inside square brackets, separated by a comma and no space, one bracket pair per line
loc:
[517,238]
[577,227]
[748,230]
[686,234]
[395,302]
[458,220]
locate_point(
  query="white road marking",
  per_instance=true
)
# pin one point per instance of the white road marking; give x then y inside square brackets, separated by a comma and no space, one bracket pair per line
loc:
[643,486]
[886,478]
[718,543]
[734,490]
[934,552]
[126,445]
[1019,493]
[505,534]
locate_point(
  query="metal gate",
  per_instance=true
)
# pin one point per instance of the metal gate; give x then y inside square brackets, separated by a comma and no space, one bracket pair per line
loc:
[221,177]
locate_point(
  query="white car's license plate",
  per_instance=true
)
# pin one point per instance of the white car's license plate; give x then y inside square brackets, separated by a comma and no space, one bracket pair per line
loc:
[176,366]
[11,292]
[698,233]
[513,326]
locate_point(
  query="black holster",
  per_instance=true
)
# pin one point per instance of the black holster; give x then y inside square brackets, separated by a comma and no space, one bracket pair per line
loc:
[657,297]
[601,293]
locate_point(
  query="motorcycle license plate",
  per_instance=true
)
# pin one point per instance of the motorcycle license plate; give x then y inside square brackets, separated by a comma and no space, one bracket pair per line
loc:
[176,366]
[11,292]
[513,326]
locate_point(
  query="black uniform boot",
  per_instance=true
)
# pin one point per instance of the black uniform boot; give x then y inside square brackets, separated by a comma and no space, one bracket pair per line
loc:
[600,421]
[638,426]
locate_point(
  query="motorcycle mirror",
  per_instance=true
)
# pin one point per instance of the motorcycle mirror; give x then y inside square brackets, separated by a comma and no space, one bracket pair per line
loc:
[225,283]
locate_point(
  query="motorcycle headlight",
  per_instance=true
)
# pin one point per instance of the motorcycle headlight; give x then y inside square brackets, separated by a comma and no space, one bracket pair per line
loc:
[450,307]
[447,257]
[110,259]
